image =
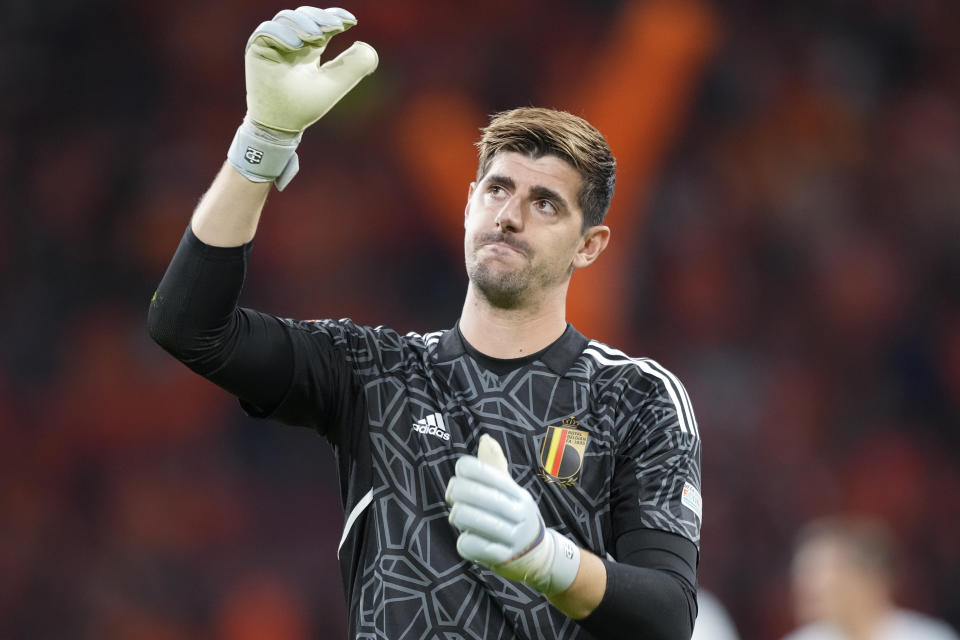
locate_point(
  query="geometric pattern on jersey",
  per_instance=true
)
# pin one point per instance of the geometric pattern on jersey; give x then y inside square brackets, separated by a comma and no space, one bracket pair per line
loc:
[401,409]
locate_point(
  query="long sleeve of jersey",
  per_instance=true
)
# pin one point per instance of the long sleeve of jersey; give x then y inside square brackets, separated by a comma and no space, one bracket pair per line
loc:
[195,317]
[651,591]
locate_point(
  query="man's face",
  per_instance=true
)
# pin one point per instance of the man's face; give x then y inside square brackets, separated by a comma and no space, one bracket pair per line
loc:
[523,228]
[818,577]
[828,585]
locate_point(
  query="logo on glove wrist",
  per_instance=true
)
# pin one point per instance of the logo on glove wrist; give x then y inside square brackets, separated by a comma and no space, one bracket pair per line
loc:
[561,455]
[253,156]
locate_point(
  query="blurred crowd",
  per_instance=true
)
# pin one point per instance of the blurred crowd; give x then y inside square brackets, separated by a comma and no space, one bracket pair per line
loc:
[790,246]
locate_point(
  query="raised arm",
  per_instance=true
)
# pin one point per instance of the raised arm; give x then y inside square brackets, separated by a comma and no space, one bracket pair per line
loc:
[229,211]
[194,313]
[288,89]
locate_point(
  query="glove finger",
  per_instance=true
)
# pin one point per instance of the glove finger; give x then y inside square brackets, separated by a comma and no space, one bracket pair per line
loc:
[305,28]
[466,517]
[489,451]
[330,22]
[348,18]
[470,546]
[466,491]
[350,66]
[473,468]
[276,36]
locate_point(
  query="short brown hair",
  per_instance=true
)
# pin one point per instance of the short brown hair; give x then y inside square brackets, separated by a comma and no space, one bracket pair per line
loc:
[540,132]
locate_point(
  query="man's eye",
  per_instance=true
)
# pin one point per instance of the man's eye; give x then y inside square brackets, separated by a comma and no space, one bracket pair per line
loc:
[495,189]
[546,206]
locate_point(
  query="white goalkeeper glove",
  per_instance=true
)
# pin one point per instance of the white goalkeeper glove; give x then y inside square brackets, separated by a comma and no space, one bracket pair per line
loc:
[288,89]
[501,527]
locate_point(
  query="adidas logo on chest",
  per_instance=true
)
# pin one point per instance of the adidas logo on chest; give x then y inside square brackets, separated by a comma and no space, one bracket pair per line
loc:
[432,425]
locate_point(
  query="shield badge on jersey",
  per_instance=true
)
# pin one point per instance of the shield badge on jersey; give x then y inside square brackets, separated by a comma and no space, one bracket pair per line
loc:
[561,455]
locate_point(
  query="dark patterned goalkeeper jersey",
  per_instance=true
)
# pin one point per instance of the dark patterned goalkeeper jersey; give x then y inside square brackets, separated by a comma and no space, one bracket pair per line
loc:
[605,443]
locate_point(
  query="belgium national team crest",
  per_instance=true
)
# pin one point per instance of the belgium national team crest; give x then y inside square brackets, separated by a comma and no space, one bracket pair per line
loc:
[561,456]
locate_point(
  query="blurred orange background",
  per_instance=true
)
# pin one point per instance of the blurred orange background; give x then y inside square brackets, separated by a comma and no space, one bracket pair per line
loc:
[786,238]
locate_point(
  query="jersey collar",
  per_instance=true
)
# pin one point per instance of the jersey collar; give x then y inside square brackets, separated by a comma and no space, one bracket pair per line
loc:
[558,357]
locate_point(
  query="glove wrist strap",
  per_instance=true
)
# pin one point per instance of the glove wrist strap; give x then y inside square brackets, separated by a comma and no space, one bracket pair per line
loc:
[264,155]
[564,565]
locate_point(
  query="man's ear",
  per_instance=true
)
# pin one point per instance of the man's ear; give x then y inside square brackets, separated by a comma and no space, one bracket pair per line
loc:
[592,244]
[466,207]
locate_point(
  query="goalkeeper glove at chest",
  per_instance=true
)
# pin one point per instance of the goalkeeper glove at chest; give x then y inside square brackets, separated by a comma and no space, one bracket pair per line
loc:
[288,88]
[501,527]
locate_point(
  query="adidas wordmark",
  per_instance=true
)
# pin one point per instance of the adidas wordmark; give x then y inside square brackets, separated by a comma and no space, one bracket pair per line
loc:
[432,425]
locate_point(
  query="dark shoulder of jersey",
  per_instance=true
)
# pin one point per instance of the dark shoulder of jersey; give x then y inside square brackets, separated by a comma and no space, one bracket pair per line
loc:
[657,471]
[332,358]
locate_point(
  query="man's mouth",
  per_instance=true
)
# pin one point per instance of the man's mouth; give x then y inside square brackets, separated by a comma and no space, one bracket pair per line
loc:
[503,246]
[503,243]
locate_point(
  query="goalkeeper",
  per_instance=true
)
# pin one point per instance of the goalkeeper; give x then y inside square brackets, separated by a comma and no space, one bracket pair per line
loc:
[503,478]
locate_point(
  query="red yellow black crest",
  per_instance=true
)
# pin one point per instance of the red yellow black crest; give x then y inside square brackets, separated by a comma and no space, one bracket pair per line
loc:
[561,455]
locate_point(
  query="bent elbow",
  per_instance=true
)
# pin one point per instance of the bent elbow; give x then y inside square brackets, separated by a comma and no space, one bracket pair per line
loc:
[162,323]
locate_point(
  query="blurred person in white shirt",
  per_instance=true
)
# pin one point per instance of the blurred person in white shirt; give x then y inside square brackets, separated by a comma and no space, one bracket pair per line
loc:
[713,621]
[843,580]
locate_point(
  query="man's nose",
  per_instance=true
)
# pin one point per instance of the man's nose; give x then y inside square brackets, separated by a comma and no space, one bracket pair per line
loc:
[510,216]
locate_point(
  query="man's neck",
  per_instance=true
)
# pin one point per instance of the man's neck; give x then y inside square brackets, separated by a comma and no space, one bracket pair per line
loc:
[512,333]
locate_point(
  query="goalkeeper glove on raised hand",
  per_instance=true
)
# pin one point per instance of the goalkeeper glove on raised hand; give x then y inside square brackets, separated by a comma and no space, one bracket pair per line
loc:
[288,89]
[501,526]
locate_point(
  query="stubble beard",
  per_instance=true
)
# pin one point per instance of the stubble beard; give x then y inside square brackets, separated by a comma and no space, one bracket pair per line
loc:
[502,288]
[509,288]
